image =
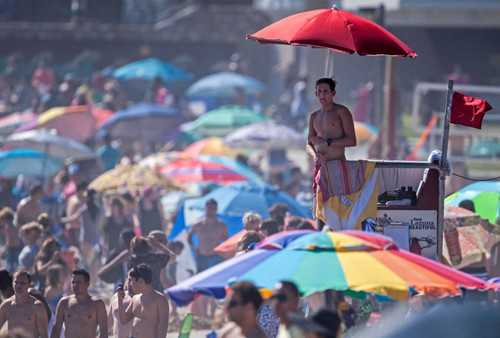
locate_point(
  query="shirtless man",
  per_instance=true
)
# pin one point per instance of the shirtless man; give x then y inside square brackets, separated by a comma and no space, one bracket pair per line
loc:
[73,227]
[12,247]
[81,313]
[120,330]
[211,232]
[28,208]
[148,308]
[22,311]
[331,128]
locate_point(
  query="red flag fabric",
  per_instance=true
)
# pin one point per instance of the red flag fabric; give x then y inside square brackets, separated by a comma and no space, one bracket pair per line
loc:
[468,111]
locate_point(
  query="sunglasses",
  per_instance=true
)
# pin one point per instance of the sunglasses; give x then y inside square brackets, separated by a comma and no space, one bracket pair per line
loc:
[280,297]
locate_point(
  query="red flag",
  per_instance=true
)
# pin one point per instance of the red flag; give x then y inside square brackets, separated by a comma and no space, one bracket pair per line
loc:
[468,111]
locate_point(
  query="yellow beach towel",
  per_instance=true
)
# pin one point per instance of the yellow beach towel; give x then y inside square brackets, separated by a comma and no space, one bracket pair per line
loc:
[346,194]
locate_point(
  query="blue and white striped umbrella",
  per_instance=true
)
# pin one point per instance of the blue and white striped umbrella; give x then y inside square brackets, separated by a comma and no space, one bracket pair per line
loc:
[265,135]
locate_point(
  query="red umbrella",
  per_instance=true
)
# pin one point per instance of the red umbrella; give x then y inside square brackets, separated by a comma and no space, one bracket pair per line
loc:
[187,171]
[333,29]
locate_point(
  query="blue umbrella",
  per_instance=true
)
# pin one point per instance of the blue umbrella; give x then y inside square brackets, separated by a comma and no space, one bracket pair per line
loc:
[224,84]
[27,162]
[239,167]
[213,281]
[236,199]
[143,121]
[149,69]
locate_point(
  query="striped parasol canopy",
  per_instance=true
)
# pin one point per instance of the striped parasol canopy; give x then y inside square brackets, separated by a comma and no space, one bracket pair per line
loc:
[357,263]
[190,170]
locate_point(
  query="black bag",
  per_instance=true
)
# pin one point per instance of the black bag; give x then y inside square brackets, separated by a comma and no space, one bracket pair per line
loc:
[116,273]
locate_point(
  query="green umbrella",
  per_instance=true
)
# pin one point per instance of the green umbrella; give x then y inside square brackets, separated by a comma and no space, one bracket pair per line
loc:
[224,120]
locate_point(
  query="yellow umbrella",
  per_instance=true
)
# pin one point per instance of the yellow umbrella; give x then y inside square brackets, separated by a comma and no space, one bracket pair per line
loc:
[133,179]
[211,146]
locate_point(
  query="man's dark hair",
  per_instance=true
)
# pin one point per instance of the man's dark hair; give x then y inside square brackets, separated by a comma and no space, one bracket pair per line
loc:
[7,214]
[36,189]
[127,235]
[139,246]
[81,186]
[175,245]
[247,239]
[290,286]
[329,81]
[83,273]
[143,271]
[293,223]
[211,202]
[305,225]
[5,283]
[248,293]
[278,211]
[115,202]
[22,273]
[270,225]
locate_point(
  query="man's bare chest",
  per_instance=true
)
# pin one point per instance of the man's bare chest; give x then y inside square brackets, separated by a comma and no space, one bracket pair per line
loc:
[84,312]
[329,120]
[22,313]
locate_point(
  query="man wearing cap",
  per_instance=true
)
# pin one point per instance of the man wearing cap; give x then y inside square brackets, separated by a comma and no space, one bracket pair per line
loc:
[241,309]
[285,300]
[324,323]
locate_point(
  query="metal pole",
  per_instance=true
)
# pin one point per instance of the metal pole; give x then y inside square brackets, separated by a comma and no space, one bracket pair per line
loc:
[329,63]
[389,116]
[442,176]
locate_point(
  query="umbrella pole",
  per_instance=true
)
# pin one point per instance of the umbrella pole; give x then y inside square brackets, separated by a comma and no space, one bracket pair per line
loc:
[329,63]
[442,176]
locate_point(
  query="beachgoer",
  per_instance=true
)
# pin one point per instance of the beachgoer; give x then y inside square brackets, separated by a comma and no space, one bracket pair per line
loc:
[49,255]
[81,313]
[30,233]
[141,247]
[211,232]
[28,208]
[23,311]
[54,289]
[149,212]
[148,309]
[324,323]
[12,247]
[331,128]
[285,300]
[241,308]
[269,227]
[115,268]
[109,156]
[113,225]
[73,223]
[120,330]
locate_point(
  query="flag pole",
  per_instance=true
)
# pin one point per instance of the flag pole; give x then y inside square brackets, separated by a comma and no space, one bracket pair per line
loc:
[442,176]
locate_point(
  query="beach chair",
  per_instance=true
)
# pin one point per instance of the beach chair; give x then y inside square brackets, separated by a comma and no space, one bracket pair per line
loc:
[185,329]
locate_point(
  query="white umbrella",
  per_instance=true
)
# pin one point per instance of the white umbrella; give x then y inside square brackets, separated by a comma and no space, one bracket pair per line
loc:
[50,143]
[267,135]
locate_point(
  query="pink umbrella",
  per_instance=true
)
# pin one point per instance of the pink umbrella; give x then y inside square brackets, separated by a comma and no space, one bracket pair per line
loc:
[76,122]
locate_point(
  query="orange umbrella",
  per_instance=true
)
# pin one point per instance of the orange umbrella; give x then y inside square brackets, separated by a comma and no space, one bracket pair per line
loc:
[101,115]
[227,249]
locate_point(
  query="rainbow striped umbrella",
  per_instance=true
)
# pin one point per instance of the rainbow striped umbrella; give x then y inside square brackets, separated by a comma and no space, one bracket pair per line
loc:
[358,263]
[190,170]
